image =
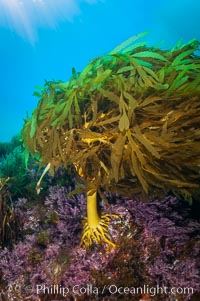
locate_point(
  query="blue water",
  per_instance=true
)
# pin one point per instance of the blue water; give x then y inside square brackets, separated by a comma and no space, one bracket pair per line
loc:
[42,40]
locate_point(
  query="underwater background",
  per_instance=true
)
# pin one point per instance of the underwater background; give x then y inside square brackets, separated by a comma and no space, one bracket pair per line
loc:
[99,150]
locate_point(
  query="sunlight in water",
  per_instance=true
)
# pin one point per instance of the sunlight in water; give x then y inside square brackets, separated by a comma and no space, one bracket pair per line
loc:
[26,16]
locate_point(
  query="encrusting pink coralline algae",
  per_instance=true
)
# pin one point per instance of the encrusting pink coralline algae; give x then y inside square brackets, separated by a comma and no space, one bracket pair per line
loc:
[157,244]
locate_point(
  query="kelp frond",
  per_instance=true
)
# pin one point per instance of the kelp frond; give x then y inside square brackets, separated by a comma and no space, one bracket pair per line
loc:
[129,121]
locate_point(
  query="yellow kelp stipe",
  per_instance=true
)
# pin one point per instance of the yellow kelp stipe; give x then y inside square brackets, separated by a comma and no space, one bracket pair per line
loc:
[95,227]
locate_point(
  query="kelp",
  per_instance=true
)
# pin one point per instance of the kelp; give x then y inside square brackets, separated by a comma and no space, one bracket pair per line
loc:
[129,122]
[8,225]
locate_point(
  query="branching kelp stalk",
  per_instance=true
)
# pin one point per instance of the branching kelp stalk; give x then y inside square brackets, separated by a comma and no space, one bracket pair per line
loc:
[129,122]
[8,224]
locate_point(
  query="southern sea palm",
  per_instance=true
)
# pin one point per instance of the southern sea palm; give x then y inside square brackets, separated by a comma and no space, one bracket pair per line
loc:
[129,122]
